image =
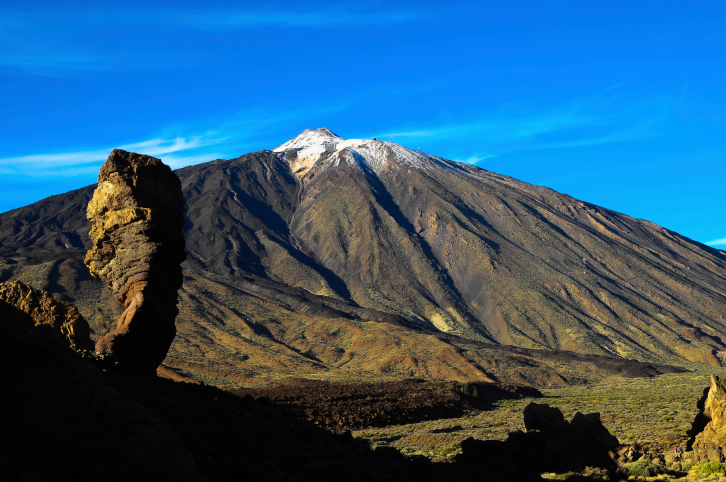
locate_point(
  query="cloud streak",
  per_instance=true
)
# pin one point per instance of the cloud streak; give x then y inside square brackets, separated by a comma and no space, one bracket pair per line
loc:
[475,158]
[717,242]
[234,19]
[245,132]
[47,41]
[603,118]
[60,60]
[88,161]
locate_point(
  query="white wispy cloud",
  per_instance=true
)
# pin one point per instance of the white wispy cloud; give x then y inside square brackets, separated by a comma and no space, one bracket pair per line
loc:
[81,162]
[176,162]
[604,118]
[309,19]
[157,147]
[53,41]
[717,242]
[247,131]
[475,158]
[27,164]
[59,60]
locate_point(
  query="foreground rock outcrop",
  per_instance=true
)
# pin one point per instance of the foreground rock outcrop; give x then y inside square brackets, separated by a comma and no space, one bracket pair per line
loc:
[68,418]
[62,420]
[709,427]
[137,217]
[550,444]
[44,310]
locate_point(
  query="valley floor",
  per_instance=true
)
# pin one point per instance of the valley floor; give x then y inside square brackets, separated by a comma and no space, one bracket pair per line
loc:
[653,411]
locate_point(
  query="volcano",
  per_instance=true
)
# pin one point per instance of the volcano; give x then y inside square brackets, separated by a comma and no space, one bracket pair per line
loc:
[358,256]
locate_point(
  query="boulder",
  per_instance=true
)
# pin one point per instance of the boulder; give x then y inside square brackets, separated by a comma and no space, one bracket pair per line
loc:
[540,416]
[44,310]
[551,444]
[710,443]
[137,218]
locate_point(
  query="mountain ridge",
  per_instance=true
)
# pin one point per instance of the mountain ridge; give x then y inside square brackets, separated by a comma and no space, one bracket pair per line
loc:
[445,248]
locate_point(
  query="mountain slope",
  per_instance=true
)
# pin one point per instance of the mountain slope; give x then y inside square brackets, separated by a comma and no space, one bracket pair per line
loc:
[324,232]
[503,259]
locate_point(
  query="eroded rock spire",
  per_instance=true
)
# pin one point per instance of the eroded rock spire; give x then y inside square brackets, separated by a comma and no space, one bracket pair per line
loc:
[137,217]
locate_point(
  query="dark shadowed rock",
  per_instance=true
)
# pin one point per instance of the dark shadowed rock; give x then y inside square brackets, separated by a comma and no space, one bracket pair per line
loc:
[137,216]
[44,310]
[543,417]
[61,420]
[380,404]
[550,444]
[710,443]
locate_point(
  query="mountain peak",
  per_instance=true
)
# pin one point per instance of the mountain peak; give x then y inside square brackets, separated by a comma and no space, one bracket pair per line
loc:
[310,146]
[309,139]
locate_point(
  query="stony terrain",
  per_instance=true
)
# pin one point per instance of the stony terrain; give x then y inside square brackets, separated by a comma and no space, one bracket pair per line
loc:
[72,417]
[656,413]
[129,426]
[709,428]
[354,405]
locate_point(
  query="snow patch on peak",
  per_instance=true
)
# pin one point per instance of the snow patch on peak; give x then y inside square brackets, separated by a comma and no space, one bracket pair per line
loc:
[310,139]
[311,146]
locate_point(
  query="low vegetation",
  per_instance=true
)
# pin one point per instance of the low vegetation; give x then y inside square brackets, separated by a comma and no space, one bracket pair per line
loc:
[654,413]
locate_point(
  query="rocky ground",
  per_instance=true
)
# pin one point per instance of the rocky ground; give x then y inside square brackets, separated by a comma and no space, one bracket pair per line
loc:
[355,405]
[654,412]
[76,418]
[71,417]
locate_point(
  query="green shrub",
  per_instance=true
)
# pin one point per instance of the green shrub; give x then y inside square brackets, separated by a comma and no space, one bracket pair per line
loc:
[641,468]
[711,468]
[451,449]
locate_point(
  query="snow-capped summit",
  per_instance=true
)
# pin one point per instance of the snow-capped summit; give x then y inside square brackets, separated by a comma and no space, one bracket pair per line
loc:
[311,146]
[308,139]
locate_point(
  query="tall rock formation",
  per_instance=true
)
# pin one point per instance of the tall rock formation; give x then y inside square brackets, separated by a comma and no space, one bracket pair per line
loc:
[710,443]
[137,217]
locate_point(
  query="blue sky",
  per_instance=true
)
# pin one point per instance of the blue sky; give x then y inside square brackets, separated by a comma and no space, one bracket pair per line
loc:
[617,103]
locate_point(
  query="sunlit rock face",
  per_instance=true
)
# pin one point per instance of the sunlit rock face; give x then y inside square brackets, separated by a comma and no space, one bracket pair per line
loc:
[137,217]
[710,443]
[44,310]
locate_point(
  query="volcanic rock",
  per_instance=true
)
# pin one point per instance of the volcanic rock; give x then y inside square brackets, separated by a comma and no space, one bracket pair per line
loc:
[62,421]
[44,310]
[380,404]
[710,443]
[137,217]
[67,419]
[550,444]
[543,417]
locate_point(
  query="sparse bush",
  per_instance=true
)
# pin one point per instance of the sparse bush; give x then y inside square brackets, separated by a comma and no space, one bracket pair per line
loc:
[451,449]
[641,468]
[710,468]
